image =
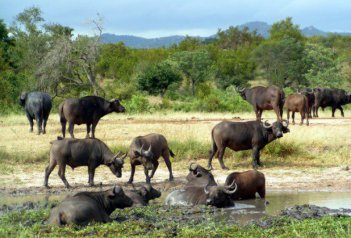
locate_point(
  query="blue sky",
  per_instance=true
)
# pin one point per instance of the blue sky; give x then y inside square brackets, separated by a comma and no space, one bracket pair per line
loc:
[153,18]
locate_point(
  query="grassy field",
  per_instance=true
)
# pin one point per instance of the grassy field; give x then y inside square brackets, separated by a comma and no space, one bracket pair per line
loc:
[326,142]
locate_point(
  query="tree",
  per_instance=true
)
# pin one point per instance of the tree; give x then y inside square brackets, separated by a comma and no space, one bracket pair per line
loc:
[195,65]
[285,29]
[158,78]
[234,38]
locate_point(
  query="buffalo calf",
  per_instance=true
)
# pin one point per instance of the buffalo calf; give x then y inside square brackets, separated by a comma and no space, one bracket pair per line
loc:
[297,103]
[142,196]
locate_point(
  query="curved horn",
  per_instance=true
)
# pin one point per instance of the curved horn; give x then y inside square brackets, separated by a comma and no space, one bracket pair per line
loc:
[285,123]
[149,150]
[240,90]
[125,155]
[196,173]
[141,149]
[205,189]
[309,90]
[191,168]
[266,125]
[117,189]
[119,152]
[226,188]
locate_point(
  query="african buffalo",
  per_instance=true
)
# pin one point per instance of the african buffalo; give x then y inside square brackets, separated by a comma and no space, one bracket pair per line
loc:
[297,103]
[86,110]
[38,106]
[142,196]
[199,176]
[249,183]
[158,146]
[238,136]
[82,152]
[85,207]
[264,98]
[331,97]
[218,196]
[308,92]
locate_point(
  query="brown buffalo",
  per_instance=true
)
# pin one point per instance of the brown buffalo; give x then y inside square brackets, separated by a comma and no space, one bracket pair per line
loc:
[86,110]
[249,183]
[142,196]
[297,103]
[85,207]
[157,146]
[82,152]
[199,176]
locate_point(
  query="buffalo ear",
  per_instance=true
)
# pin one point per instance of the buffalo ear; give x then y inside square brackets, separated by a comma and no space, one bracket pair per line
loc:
[137,153]
[143,191]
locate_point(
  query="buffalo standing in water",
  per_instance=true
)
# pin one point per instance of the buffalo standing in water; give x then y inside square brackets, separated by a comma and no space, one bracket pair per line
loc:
[85,207]
[38,106]
[238,136]
[86,110]
[264,98]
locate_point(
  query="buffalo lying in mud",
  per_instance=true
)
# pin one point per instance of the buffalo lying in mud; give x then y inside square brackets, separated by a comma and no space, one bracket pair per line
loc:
[331,97]
[157,146]
[82,152]
[142,196]
[297,103]
[38,106]
[238,136]
[218,196]
[85,207]
[249,183]
[199,176]
[86,110]
[264,98]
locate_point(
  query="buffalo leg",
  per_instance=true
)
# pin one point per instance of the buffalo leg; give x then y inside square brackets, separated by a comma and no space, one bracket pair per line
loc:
[39,121]
[262,192]
[132,173]
[91,172]
[63,126]
[288,114]
[260,114]
[48,171]
[168,164]
[257,114]
[212,154]
[256,158]
[44,125]
[341,110]
[71,128]
[302,117]
[220,158]
[277,112]
[88,130]
[154,169]
[148,178]
[61,173]
[93,129]
[333,111]
[293,117]
[30,119]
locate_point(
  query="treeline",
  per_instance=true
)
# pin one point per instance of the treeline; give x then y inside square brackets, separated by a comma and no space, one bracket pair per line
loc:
[194,75]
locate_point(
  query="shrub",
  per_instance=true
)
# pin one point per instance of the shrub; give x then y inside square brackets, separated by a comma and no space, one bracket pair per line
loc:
[137,104]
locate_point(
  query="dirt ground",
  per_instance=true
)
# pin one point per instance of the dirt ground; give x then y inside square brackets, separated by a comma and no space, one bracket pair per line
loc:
[24,179]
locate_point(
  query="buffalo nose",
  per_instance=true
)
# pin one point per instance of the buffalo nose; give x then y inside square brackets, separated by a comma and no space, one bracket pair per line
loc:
[279,134]
[118,175]
[208,201]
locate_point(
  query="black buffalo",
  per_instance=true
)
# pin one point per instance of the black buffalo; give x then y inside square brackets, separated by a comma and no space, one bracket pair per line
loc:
[38,106]
[331,97]
[82,152]
[85,207]
[218,196]
[143,195]
[157,146]
[86,110]
[264,98]
[238,136]
[198,176]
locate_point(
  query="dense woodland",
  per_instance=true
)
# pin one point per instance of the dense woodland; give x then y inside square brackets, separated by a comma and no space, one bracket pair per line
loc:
[194,75]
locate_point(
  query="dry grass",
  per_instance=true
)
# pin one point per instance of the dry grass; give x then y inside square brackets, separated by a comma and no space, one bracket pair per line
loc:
[325,143]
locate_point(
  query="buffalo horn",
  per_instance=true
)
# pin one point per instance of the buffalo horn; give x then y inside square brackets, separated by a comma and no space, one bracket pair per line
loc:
[240,90]
[309,90]
[205,189]
[116,189]
[125,155]
[267,125]
[226,188]
[149,150]
[141,149]
[285,123]
[191,168]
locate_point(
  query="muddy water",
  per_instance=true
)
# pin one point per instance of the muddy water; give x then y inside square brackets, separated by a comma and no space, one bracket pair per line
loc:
[243,212]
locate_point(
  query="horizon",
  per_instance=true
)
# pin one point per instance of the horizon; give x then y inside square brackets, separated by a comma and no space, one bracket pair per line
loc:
[193,18]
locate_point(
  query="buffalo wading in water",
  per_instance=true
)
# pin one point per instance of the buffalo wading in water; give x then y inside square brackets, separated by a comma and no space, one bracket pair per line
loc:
[249,183]
[37,106]
[157,146]
[216,195]
[85,207]
[82,152]
[264,98]
[239,136]
[331,97]
[86,110]
[297,103]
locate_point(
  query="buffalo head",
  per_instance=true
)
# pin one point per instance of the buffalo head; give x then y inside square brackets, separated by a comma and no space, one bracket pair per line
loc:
[116,106]
[241,91]
[219,196]
[198,173]
[148,192]
[22,99]
[277,128]
[116,165]
[116,198]
[146,157]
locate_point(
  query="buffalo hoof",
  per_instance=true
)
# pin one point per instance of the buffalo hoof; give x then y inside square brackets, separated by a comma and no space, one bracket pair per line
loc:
[44,132]
[210,167]
[171,178]
[130,181]
[30,129]
[225,168]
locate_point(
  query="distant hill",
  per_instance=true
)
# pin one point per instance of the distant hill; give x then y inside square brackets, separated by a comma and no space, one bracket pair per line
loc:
[262,28]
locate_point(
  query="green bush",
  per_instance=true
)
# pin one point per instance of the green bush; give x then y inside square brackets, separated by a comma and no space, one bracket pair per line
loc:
[137,104]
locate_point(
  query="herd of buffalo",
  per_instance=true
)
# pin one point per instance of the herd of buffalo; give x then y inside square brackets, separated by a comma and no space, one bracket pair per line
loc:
[201,187]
